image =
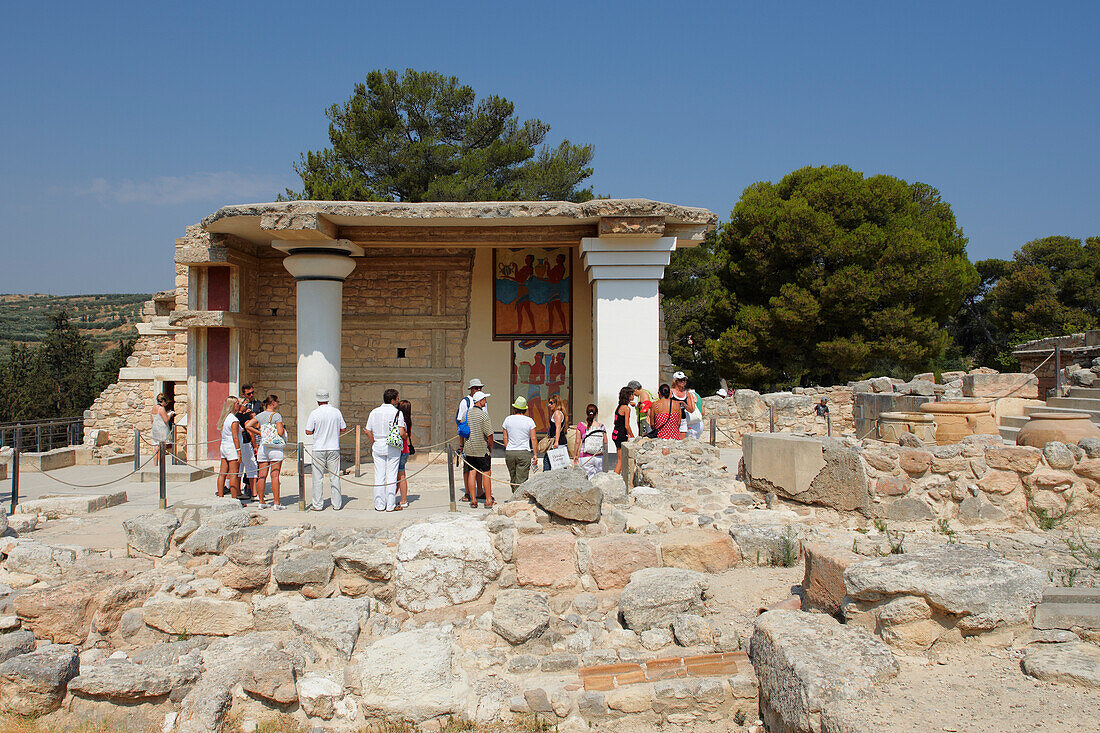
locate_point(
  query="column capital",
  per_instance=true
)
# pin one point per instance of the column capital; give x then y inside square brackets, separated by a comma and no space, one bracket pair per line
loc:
[313,265]
[633,258]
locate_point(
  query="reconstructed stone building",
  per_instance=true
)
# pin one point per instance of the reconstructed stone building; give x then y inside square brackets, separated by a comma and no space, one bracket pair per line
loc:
[535,298]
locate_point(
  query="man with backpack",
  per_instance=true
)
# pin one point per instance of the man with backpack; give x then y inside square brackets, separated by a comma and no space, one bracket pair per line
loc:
[463,426]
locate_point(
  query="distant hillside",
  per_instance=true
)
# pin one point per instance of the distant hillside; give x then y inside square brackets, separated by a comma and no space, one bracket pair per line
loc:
[104,319]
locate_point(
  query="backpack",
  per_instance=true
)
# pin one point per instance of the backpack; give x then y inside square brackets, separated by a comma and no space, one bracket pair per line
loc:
[464,425]
[594,441]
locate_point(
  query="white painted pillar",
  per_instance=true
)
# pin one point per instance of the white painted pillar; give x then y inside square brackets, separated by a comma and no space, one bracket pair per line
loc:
[320,284]
[625,273]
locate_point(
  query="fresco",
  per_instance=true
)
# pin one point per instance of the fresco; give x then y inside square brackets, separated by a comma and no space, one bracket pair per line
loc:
[531,288]
[541,368]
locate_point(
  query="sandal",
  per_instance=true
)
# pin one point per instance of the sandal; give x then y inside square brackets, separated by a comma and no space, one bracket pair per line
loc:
[398,508]
[490,504]
[473,505]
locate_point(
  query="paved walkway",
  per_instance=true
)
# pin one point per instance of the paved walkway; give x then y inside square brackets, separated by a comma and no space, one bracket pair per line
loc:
[428,494]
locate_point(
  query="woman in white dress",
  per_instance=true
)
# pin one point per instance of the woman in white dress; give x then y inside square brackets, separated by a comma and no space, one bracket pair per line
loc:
[162,425]
[230,448]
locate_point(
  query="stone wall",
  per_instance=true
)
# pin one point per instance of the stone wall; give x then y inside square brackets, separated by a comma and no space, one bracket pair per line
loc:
[747,411]
[980,479]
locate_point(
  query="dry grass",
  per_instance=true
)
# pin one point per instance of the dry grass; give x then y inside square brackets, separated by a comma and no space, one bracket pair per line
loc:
[16,724]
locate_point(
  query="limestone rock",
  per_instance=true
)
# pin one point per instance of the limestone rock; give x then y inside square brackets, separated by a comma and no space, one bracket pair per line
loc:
[1018,458]
[823,587]
[34,683]
[804,661]
[62,613]
[272,679]
[115,600]
[125,681]
[209,540]
[613,558]
[704,550]
[150,534]
[333,622]
[906,509]
[655,596]
[1091,446]
[546,560]
[444,561]
[974,509]
[368,558]
[1058,455]
[612,486]
[15,643]
[412,675]
[521,615]
[565,493]
[980,587]
[318,696]
[237,518]
[207,616]
[44,562]
[1074,662]
[305,567]
[767,544]
[692,630]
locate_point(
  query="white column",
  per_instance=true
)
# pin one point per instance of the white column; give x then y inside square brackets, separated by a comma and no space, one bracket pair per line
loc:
[320,284]
[625,273]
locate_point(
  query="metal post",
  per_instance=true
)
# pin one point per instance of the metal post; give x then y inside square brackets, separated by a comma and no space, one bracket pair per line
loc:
[828,425]
[19,437]
[301,477]
[163,477]
[38,436]
[603,467]
[451,475]
[175,448]
[627,478]
[358,448]
[714,431]
[137,449]
[1057,370]
[771,418]
[14,479]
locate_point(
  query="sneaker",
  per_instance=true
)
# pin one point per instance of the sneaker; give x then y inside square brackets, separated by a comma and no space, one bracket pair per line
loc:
[278,507]
[389,509]
[261,505]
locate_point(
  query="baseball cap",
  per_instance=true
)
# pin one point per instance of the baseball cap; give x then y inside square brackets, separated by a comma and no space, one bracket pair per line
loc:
[479,396]
[475,382]
[679,375]
[322,395]
[520,403]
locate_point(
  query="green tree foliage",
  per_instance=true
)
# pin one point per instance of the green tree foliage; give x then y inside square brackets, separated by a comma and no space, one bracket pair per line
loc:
[1050,287]
[54,379]
[696,307]
[831,275]
[113,361]
[422,136]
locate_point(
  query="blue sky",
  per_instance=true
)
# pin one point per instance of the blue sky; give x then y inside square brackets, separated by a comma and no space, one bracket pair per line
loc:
[123,122]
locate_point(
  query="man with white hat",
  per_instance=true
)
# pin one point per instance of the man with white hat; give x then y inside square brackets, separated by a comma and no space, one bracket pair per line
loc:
[475,385]
[325,424]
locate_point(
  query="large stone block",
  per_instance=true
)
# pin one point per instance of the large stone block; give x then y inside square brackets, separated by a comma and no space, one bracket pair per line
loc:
[703,550]
[654,597]
[804,661]
[205,616]
[444,561]
[613,558]
[990,386]
[808,470]
[34,684]
[546,560]
[411,675]
[823,587]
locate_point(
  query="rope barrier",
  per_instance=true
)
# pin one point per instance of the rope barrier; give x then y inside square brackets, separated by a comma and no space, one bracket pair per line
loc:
[97,486]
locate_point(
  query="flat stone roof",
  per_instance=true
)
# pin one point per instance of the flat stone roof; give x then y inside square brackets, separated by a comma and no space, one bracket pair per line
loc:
[483,213]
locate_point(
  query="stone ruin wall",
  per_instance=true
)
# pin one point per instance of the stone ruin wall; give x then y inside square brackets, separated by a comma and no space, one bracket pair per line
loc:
[747,411]
[981,479]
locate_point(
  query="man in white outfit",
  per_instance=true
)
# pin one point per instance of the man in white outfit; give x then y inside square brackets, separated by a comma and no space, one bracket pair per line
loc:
[325,424]
[386,430]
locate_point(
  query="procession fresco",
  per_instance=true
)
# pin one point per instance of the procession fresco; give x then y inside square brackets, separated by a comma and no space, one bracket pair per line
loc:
[541,368]
[531,289]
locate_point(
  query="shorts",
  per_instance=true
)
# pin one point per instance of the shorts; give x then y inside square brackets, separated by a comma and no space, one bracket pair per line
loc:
[249,469]
[404,460]
[618,439]
[479,463]
[229,453]
[270,454]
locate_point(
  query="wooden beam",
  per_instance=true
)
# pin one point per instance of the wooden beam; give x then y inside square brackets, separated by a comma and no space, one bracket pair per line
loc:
[503,236]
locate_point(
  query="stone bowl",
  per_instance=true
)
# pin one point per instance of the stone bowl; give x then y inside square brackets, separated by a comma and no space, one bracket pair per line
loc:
[1068,427]
[892,425]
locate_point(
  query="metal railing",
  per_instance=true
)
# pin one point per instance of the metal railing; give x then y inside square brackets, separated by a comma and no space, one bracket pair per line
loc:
[36,436]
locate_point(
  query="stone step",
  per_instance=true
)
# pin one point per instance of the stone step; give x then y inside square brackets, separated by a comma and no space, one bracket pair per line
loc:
[1067,615]
[1090,404]
[1077,594]
[1086,392]
[1008,434]
[174,474]
[67,505]
[1014,421]
[116,460]
[1093,415]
